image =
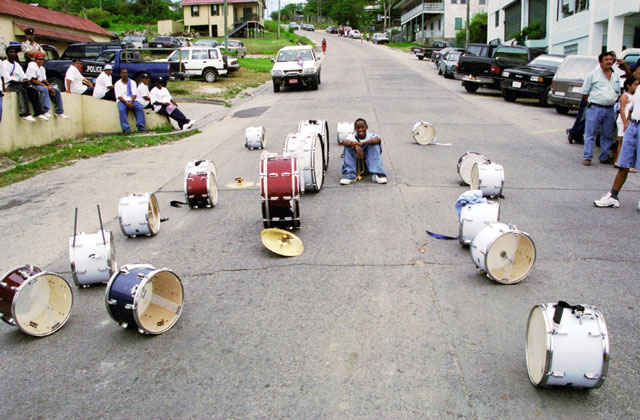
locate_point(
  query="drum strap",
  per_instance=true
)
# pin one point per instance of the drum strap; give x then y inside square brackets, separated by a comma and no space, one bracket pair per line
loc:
[441,236]
[178,204]
[561,306]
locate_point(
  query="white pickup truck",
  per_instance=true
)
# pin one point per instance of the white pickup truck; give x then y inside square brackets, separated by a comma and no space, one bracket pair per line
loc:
[296,65]
[205,62]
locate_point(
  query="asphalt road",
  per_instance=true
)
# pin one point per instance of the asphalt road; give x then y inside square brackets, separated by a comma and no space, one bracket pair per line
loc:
[362,325]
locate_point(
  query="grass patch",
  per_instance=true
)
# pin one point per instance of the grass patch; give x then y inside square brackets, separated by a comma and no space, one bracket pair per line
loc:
[404,46]
[257,64]
[64,153]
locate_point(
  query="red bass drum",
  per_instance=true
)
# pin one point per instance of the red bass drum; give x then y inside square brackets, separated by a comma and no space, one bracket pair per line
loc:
[279,191]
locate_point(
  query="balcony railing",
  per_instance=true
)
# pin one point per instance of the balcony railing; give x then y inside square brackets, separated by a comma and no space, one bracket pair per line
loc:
[430,34]
[431,7]
[247,18]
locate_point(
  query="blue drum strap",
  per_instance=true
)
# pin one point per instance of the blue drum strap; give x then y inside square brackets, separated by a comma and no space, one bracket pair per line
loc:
[440,236]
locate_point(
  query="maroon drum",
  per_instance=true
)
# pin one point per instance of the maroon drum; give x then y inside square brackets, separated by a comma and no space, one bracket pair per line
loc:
[200,185]
[37,302]
[279,191]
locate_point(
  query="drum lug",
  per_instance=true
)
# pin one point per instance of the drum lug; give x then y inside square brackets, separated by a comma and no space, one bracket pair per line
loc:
[273,175]
[559,332]
[596,334]
[124,325]
[592,376]
[3,284]
[557,374]
[128,306]
[141,331]
[111,301]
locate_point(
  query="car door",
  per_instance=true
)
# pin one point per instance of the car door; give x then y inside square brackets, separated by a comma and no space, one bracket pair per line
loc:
[215,59]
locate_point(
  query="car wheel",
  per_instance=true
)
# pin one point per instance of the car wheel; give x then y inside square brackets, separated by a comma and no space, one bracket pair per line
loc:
[319,80]
[314,83]
[210,75]
[471,88]
[509,96]
[420,58]
[56,83]
[439,70]
[562,110]
[544,98]
[276,86]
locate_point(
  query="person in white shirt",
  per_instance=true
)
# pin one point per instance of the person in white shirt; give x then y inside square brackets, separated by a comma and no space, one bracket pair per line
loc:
[74,81]
[125,90]
[142,94]
[38,76]
[164,104]
[103,89]
[15,80]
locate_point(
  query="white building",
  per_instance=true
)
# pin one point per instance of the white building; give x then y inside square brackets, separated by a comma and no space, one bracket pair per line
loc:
[436,19]
[572,26]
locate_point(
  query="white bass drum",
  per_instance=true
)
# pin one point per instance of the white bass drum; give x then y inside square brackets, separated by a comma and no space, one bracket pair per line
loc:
[465,165]
[488,177]
[474,217]
[139,214]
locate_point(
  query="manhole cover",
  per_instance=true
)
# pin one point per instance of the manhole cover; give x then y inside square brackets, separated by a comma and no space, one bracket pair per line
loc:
[251,112]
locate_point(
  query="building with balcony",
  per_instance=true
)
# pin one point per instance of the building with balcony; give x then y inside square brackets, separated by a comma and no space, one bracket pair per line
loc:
[244,18]
[571,26]
[428,20]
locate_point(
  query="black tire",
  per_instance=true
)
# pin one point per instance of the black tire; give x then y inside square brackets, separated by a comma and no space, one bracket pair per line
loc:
[421,58]
[509,96]
[210,75]
[314,83]
[562,110]
[544,98]
[319,80]
[56,83]
[276,87]
[439,70]
[471,88]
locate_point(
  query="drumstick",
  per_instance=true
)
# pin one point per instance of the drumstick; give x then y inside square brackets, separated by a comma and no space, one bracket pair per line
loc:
[75,225]
[104,240]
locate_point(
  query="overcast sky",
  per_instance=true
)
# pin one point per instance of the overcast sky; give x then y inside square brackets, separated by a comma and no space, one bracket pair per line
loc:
[273,4]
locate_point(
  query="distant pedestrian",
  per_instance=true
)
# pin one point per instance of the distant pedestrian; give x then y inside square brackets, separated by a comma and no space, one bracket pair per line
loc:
[164,104]
[367,36]
[630,86]
[38,76]
[600,89]
[324,46]
[75,82]
[103,88]
[125,90]
[15,80]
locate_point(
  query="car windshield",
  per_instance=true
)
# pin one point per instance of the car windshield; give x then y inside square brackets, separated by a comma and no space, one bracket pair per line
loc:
[162,38]
[454,56]
[547,61]
[292,55]
[134,38]
[511,52]
[179,55]
[574,67]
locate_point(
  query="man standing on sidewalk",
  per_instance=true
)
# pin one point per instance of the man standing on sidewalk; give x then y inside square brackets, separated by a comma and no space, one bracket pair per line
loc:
[601,89]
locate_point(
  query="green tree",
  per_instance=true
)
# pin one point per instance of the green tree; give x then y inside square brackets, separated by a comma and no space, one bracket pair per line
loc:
[533,31]
[477,30]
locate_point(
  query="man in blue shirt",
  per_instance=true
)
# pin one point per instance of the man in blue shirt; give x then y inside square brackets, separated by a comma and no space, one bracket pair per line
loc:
[600,89]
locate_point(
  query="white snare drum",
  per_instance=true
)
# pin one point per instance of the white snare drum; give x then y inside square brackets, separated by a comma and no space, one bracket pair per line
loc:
[93,258]
[307,149]
[344,129]
[423,133]
[255,138]
[465,165]
[488,177]
[200,184]
[571,352]
[320,127]
[503,252]
[474,217]
[139,214]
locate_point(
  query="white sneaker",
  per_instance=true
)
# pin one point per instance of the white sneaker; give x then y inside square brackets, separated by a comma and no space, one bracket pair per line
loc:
[607,201]
[638,206]
[346,181]
[43,117]
[379,179]
[46,114]
[29,118]
[62,116]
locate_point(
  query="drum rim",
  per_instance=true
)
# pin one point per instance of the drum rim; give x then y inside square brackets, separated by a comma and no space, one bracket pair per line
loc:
[128,268]
[111,257]
[549,337]
[413,131]
[461,161]
[5,275]
[146,279]
[152,199]
[19,289]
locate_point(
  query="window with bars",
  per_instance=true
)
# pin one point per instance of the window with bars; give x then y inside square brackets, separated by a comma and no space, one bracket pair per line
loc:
[458,23]
[215,10]
[195,11]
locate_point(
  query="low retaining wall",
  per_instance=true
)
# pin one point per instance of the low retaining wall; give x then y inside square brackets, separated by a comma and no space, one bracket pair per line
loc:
[87,116]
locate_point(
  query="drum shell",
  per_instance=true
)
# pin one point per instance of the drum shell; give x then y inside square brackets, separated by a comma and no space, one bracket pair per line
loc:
[465,165]
[487,177]
[255,138]
[133,215]
[11,283]
[481,244]
[423,133]
[474,217]
[88,264]
[306,148]
[320,127]
[279,192]
[343,130]
[574,350]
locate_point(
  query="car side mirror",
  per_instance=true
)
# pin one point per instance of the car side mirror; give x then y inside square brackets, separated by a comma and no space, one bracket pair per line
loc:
[273,60]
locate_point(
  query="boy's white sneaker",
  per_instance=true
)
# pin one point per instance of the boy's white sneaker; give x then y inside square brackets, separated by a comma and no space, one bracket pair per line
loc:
[62,116]
[29,118]
[346,181]
[46,114]
[43,117]
[607,201]
[379,179]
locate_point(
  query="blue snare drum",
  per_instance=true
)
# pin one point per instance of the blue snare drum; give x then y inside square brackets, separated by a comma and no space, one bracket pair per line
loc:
[141,297]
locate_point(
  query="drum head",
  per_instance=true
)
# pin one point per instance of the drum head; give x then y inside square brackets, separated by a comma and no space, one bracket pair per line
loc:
[537,345]
[158,303]
[424,133]
[43,304]
[466,163]
[212,188]
[510,257]
[153,214]
[318,165]
[475,176]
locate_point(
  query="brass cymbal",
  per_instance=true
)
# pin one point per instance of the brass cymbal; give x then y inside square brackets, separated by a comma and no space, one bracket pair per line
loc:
[282,242]
[240,183]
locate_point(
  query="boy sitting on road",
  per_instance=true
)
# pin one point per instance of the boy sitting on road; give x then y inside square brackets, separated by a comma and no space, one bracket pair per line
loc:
[365,145]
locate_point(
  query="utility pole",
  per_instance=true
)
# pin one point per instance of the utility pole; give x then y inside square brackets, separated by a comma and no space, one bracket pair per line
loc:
[467,37]
[278,19]
[319,3]
[422,13]
[226,28]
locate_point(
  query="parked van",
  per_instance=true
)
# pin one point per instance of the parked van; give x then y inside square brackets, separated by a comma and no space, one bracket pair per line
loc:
[567,82]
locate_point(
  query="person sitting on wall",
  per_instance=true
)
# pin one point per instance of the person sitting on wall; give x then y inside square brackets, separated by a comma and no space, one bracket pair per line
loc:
[365,145]
[75,82]
[125,90]
[38,76]
[15,80]
[164,104]
[103,88]
[142,94]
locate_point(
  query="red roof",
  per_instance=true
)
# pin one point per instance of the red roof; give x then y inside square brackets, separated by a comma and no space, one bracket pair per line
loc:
[40,14]
[48,33]
[198,2]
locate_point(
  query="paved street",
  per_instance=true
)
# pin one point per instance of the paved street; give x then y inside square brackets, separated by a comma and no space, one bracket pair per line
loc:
[362,325]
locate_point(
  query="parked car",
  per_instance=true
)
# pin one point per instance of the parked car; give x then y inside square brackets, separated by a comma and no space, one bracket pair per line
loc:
[448,64]
[346,30]
[90,50]
[355,34]
[532,80]
[136,41]
[379,38]
[436,56]
[205,62]
[294,26]
[631,57]
[206,43]
[237,47]
[422,52]
[165,42]
[310,27]
[287,70]
[185,42]
[332,30]
[567,82]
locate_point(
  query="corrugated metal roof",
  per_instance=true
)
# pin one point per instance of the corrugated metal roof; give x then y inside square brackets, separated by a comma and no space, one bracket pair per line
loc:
[44,33]
[40,14]
[201,2]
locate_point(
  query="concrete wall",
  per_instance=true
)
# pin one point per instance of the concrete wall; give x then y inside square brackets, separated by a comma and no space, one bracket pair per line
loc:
[168,27]
[87,116]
